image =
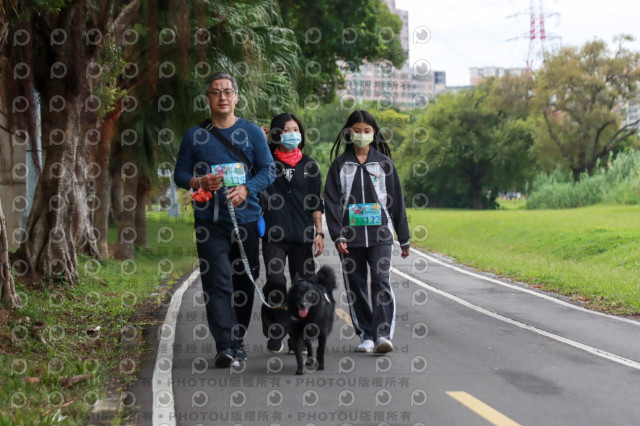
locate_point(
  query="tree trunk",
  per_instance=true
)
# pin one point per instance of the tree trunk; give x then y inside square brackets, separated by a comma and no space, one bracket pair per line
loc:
[103,181]
[49,248]
[8,297]
[115,175]
[128,204]
[477,200]
[576,172]
[142,194]
[83,229]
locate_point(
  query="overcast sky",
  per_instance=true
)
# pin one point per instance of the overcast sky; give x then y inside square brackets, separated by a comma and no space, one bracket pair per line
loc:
[475,33]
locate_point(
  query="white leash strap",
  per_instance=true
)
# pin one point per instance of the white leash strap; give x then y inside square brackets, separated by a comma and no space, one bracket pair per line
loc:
[243,254]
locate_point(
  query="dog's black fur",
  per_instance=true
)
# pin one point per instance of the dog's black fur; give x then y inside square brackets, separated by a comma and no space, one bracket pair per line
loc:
[315,298]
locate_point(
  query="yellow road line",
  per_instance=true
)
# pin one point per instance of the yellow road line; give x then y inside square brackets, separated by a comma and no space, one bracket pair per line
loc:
[483,410]
[344,316]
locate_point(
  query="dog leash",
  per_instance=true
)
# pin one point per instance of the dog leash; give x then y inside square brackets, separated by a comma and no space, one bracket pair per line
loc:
[243,254]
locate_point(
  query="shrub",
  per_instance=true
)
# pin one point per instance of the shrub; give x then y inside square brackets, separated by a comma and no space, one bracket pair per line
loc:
[616,181]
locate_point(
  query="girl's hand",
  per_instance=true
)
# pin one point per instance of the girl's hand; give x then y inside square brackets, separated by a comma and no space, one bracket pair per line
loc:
[342,248]
[318,245]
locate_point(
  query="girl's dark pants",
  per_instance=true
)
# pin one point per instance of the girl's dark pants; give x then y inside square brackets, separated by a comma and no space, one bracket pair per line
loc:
[275,322]
[372,315]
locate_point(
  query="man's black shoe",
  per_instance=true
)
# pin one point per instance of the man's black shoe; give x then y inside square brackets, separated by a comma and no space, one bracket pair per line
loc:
[225,358]
[275,345]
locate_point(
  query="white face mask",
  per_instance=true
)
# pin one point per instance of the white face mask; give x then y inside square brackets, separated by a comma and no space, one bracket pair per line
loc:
[361,139]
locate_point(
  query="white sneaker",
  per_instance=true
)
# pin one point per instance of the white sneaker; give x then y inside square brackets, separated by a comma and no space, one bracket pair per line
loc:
[365,346]
[383,346]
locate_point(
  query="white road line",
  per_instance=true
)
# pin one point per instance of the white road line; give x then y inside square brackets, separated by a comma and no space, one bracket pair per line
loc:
[595,351]
[525,290]
[163,405]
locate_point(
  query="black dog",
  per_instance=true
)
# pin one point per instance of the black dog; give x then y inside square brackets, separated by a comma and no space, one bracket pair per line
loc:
[311,309]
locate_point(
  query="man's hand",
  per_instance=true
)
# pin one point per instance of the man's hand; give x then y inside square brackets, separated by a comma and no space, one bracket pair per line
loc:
[211,182]
[237,195]
[405,253]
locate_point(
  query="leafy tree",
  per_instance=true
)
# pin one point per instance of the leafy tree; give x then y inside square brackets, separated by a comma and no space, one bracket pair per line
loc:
[49,46]
[463,151]
[393,124]
[89,45]
[351,31]
[245,39]
[579,98]
[323,123]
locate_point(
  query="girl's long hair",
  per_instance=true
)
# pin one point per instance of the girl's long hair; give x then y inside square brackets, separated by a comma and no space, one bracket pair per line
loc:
[360,116]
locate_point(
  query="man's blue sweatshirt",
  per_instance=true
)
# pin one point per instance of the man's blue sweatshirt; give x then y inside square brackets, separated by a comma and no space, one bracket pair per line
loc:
[200,149]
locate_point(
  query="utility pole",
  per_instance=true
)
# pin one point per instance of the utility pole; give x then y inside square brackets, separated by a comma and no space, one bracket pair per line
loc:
[537,31]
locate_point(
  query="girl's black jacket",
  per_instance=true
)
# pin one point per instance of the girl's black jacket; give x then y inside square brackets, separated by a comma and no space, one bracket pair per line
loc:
[375,181]
[291,201]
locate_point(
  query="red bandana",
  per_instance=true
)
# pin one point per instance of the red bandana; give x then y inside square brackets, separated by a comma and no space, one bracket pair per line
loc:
[290,158]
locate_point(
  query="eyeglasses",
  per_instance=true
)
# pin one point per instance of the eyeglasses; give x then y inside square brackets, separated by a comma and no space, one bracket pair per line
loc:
[216,93]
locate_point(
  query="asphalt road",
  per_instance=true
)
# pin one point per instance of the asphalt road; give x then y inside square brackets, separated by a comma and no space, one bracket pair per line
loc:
[470,350]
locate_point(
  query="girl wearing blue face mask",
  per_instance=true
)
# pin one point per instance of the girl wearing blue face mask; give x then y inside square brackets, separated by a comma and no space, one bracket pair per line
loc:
[293,219]
[364,206]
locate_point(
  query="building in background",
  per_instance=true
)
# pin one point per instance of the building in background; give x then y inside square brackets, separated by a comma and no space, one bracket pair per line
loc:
[632,115]
[404,32]
[477,74]
[413,86]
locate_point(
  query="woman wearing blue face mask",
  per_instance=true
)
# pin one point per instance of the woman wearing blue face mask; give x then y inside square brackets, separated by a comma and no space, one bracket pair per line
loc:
[364,206]
[293,222]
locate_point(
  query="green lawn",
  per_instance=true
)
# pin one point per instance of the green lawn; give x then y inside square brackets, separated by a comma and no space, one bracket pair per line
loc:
[591,253]
[32,373]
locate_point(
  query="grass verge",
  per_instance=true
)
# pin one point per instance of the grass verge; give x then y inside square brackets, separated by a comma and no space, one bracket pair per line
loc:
[591,253]
[61,351]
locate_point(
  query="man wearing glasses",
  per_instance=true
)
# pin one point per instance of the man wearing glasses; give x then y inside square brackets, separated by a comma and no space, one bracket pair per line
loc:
[209,158]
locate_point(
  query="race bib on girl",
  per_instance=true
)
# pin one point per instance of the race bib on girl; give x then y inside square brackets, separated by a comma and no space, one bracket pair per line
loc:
[365,214]
[233,173]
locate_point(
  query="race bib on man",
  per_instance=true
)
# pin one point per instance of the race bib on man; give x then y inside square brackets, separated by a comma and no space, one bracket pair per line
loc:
[233,173]
[365,214]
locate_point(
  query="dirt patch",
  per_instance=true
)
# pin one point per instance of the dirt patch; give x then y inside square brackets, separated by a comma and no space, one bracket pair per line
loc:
[4,317]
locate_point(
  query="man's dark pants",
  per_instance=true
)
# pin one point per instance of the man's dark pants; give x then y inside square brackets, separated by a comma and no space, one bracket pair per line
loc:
[230,291]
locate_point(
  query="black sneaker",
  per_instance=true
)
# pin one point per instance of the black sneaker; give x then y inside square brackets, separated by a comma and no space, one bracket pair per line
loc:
[275,345]
[225,358]
[241,354]
[292,352]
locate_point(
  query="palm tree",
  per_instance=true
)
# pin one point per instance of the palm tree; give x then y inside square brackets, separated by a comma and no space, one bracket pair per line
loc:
[245,39]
